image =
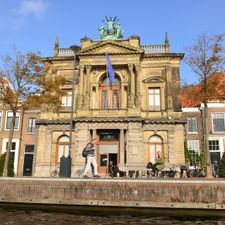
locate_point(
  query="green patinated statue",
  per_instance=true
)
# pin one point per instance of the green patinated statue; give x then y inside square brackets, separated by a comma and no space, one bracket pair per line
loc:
[110,29]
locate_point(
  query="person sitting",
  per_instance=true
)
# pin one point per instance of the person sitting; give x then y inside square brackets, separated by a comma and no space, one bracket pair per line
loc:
[159,163]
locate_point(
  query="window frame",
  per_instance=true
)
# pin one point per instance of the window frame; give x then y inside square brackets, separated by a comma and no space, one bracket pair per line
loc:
[213,126]
[109,93]
[68,106]
[32,127]
[196,125]
[61,143]
[154,99]
[196,152]
[6,121]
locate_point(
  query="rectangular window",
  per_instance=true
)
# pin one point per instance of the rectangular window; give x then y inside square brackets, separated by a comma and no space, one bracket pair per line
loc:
[29,149]
[67,101]
[31,125]
[192,125]
[115,99]
[214,145]
[218,122]
[214,149]
[193,148]
[154,103]
[104,99]
[9,120]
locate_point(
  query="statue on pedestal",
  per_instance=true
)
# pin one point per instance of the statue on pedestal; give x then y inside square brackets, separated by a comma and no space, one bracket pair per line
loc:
[110,29]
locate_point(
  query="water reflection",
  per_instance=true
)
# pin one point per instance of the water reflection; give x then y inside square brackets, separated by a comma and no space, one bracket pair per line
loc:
[24,217]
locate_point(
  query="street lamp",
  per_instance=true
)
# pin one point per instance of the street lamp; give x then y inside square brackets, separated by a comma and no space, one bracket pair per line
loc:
[65,163]
[75,49]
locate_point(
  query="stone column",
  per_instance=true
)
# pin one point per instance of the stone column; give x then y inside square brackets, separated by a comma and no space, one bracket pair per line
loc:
[88,72]
[87,87]
[94,133]
[138,84]
[122,146]
[132,86]
[80,88]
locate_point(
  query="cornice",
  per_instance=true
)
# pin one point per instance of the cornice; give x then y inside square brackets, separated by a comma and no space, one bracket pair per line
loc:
[164,55]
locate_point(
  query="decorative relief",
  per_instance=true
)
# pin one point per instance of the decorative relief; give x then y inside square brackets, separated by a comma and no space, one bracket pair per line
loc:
[87,101]
[130,101]
[112,125]
[138,100]
[80,101]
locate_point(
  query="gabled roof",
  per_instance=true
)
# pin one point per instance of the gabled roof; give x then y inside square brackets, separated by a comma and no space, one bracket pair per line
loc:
[112,47]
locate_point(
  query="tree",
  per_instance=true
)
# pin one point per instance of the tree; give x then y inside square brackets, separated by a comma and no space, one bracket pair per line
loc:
[23,84]
[222,166]
[10,165]
[206,58]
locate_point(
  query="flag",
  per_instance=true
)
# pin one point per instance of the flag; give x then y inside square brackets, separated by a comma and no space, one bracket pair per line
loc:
[110,70]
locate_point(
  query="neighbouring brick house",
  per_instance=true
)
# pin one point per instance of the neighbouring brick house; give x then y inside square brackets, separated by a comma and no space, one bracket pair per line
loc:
[192,110]
[136,117]
[23,138]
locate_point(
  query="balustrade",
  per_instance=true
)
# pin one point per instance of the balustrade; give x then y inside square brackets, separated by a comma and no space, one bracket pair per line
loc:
[154,48]
[65,52]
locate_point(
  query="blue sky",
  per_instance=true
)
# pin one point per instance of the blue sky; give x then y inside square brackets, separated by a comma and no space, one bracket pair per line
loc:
[32,25]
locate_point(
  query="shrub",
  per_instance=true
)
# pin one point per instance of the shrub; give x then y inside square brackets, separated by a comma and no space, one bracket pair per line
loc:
[10,166]
[222,166]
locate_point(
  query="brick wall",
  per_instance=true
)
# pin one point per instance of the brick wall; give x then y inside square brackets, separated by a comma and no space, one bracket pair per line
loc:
[201,194]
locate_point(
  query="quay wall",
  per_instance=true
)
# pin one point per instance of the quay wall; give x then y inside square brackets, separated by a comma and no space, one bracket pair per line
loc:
[162,193]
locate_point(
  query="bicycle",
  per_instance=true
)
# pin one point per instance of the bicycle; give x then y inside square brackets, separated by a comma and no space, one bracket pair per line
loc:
[171,173]
[197,172]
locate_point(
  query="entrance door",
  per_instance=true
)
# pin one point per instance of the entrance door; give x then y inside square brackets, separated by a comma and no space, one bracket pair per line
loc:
[107,153]
[108,149]
[28,160]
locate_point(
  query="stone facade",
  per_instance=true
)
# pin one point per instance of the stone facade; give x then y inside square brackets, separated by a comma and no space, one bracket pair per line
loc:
[136,117]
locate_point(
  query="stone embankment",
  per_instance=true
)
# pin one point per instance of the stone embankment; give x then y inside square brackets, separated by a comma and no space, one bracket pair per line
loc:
[137,193]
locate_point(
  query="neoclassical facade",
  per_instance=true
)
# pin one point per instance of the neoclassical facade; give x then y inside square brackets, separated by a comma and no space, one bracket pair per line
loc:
[134,118]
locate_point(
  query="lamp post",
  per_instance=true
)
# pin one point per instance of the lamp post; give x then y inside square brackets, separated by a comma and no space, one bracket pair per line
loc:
[65,163]
[74,48]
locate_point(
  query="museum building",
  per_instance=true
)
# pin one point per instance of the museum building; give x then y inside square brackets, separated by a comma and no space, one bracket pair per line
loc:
[133,116]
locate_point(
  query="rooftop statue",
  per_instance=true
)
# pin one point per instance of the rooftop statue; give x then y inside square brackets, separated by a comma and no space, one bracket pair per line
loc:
[110,29]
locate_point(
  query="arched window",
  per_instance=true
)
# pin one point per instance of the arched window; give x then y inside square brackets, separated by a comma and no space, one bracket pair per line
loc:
[63,147]
[109,96]
[155,145]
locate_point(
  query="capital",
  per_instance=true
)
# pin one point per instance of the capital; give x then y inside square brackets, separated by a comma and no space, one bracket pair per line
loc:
[131,67]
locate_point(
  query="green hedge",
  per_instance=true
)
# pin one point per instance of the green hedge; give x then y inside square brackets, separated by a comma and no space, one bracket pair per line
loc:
[10,166]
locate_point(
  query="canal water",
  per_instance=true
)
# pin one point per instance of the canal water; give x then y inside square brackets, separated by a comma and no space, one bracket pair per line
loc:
[12,216]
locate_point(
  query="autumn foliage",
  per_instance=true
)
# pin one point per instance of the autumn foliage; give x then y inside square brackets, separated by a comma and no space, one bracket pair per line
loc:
[193,95]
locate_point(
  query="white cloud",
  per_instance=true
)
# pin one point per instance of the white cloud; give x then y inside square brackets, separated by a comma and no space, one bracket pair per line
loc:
[33,7]
[21,14]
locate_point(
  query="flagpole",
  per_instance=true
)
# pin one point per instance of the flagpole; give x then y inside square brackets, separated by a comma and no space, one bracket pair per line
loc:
[107,88]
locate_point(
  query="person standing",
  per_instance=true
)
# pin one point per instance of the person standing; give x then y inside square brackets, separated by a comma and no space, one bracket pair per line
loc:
[91,161]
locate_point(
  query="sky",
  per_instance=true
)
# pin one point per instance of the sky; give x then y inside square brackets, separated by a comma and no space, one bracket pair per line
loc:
[32,25]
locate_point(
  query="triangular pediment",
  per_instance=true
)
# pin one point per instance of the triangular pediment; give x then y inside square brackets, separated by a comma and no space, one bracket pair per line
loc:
[112,47]
[154,79]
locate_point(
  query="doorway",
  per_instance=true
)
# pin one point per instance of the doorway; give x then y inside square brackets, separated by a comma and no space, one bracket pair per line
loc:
[108,149]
